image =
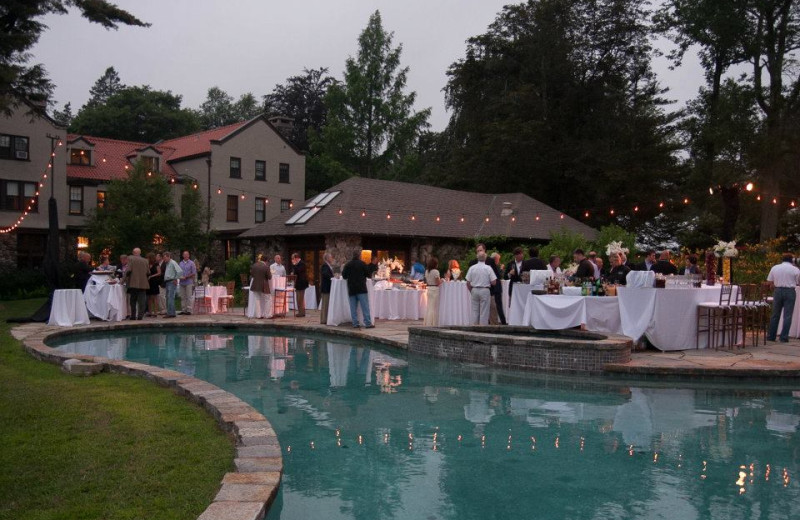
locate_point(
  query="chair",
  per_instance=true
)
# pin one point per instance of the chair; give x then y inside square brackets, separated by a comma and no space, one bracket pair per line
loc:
[283,297]
[716,320]
[227,301]
[202,302]
[756,313]
[244,280]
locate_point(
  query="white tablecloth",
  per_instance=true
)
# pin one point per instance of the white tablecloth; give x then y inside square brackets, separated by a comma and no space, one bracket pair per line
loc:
[339,302]
[69,308]
[516,306]
[105,301]
[794,330]
[454,304]
[215,292]
[668,317]
[558,312]
[399,304]
[310,301]
[259,305]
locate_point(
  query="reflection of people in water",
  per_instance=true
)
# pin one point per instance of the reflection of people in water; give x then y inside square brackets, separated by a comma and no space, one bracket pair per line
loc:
[387,381]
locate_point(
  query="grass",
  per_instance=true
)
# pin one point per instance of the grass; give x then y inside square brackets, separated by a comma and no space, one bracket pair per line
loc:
[109,446]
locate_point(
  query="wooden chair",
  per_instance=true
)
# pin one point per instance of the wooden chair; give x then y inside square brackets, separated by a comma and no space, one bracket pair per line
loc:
[283,298]
[202,302]
[716,320]
[226,302]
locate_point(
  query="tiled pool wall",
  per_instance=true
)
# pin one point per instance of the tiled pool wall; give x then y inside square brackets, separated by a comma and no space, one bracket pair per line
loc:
[520,348]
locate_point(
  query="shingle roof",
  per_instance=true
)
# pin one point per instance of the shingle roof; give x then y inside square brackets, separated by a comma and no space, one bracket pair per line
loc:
[110,157]
[199,143]
[414,209]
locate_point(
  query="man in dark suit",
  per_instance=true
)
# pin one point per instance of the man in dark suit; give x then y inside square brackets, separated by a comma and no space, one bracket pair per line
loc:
[496,314]
[534,263]
[325,276]
[259,286]
[649,261]
[585,267]
[300,284]
[138,271]
[664,265]
[355,272]
[514,268]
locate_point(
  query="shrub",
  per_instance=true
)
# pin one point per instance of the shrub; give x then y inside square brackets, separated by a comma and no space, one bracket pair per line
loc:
[20,284]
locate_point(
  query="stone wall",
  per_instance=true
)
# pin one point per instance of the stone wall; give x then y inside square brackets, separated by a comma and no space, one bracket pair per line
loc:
[8,251]
[342,247]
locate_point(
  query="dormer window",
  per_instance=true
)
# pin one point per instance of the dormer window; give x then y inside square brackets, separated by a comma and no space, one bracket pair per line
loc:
[80,157]
[151,163]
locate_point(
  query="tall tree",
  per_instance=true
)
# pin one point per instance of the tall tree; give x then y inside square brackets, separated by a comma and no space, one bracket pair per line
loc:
[138,212]
[372,129]
[106,86]
[190,228]
[558,100]
[303,99]
[64,117]
[247,107]
[217,110]
[20,28]
[137,114]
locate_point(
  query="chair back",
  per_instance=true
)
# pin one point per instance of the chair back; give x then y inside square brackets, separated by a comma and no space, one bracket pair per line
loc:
[199,291]
[750,293]
[767,291]
[243,279]
[725,292]
[230,287]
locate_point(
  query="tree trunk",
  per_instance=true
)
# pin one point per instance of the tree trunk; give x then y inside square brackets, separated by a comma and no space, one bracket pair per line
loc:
[769,211]
[730,201]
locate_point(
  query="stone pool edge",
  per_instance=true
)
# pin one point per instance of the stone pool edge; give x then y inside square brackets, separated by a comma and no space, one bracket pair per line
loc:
[245,493]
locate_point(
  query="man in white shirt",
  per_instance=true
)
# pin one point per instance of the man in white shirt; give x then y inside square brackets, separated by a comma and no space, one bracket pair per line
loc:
[276,268]
[479,278]
[784,277]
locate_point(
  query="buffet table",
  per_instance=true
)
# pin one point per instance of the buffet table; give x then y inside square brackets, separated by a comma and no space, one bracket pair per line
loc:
[105,301]
[399,304]
[455,308]
[339,302]
[517,303]
[557,312]
[68,309]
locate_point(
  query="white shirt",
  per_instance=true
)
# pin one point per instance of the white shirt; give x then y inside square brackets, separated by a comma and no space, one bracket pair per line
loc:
[480,275]
[596,271]
[550,269]
[784,275]
[277,269]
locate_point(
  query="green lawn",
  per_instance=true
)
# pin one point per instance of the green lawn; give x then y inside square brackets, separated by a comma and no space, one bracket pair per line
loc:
[109,446]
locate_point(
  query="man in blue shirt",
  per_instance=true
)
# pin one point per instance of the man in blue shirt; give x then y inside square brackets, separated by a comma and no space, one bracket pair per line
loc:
[187,283]
[172,274]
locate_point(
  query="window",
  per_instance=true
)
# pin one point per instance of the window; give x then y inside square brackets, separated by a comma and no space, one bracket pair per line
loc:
[76,200]
[236,168]
[231,249]
[286,205]
[80,157]
[233,208]
[283,173]
[261,209]
[261,170]
[17,196]
[151,163]
[101,199]
[13,147]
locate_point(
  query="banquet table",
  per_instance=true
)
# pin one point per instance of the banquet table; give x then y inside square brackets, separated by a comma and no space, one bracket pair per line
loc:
[105,301]
[399,304]
[454,304]
[517,302]
[558,311]
[339,302]
[667,317]
[215,292]
[68,309]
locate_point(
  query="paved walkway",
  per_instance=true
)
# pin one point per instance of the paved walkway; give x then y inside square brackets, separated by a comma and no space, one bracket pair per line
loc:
[781,360]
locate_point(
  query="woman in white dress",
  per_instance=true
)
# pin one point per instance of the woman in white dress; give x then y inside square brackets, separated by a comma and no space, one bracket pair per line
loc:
[433,280]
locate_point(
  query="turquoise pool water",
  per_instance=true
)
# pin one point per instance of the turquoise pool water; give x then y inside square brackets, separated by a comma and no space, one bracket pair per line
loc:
[369,433]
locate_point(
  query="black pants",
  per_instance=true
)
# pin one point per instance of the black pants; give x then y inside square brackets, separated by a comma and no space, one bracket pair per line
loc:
[138,303]
[498,300]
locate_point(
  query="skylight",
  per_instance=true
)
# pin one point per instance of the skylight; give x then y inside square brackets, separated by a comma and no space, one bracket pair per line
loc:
[312,208]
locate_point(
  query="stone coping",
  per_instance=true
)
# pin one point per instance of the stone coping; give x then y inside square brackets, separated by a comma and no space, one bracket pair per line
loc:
[526,336]
[246,492]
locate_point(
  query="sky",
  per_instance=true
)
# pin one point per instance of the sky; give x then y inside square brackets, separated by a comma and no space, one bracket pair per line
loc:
[252,45]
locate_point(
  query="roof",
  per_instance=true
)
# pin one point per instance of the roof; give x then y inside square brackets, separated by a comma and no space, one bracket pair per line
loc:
[413,210]
[111,157]
[198,144]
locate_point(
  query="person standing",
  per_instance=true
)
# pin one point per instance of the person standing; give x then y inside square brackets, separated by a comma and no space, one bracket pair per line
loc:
[496,314]
[480,277]
[138,284]
[554,265]
[534,263]
[325,276]
[690,265]
[300,284]
[172,275]
[84,270]
[664,265]
[784,277]
[372,267]
[186,287]
[355,272]
[162,290]
[619,271]
[649,261]
[585,267]
[434,280]
[259,288]
[276,268]
[153,278]
[514,269]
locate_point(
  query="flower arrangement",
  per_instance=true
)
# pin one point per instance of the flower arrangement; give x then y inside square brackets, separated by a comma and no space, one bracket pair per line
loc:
[615,247]
[386,267]
[569,270]
[726,249]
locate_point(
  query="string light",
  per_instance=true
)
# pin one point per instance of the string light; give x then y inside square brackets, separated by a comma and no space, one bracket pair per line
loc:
[388,215]
[413,216]
[486,219]
[462,218]
[340,211]
[363,213]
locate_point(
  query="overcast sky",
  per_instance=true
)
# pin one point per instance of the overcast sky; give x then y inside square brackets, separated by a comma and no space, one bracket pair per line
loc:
[251,45]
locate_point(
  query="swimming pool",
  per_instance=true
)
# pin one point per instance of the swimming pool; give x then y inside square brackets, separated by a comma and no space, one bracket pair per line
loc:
[370,433]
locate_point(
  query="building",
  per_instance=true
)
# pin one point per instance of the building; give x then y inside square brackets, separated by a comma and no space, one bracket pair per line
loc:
[408,221]
[248,173]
